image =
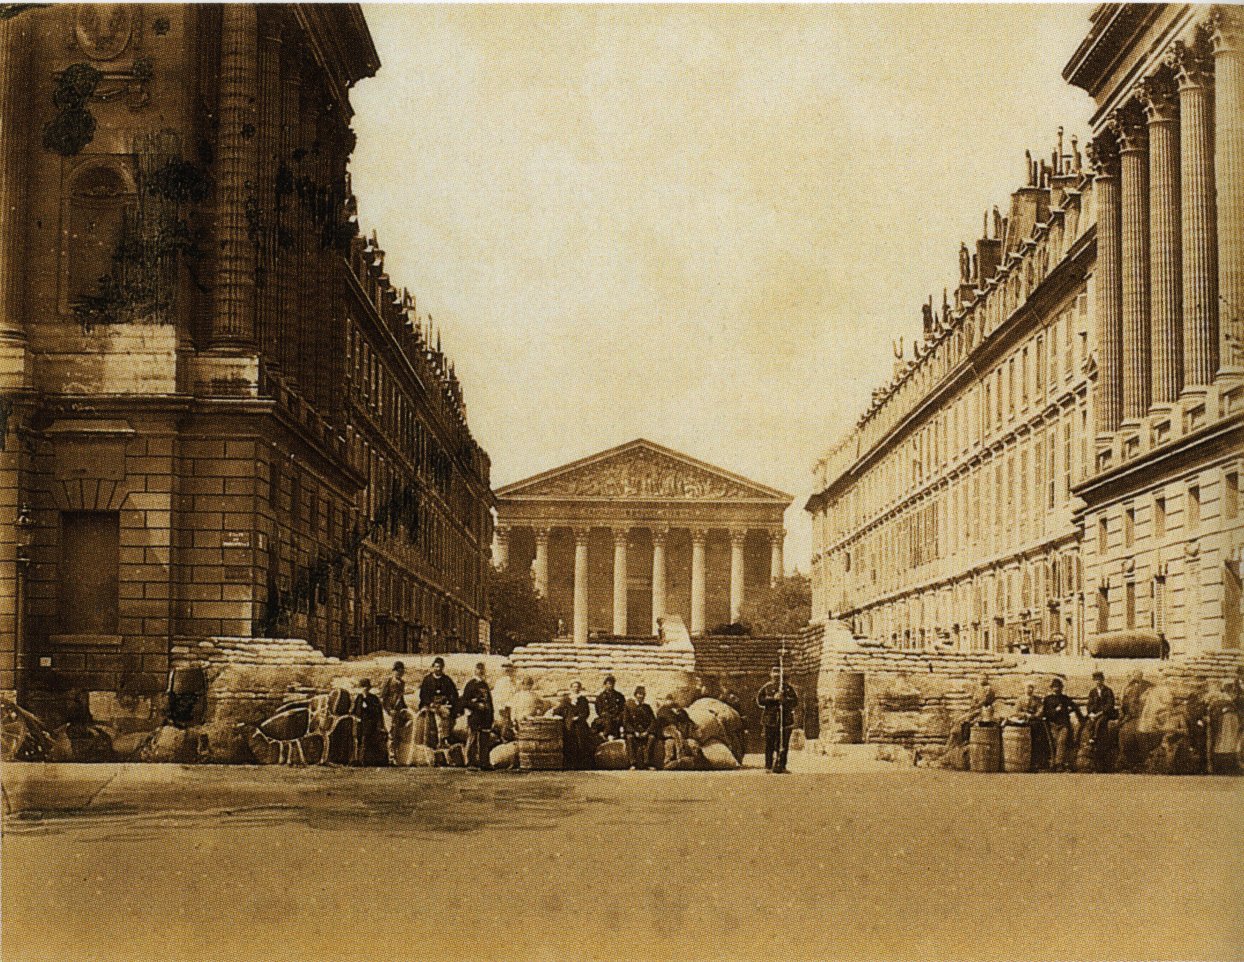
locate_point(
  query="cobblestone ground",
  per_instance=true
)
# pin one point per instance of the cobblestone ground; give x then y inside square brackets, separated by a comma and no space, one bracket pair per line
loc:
[159,862]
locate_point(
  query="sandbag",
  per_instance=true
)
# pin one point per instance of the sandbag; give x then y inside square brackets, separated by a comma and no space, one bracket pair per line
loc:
[504,756]
[611,756]
[86,743]
[168,744]
[1125,644]
[1158,713]
[265,750]
[25,738]
[717,756]
[339,702]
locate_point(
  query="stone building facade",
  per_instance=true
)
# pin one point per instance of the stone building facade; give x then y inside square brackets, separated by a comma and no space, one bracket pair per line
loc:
[1061,459]
[632,534]
[220,416]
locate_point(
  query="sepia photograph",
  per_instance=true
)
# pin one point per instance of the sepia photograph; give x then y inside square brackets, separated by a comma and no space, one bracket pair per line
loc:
[670,482]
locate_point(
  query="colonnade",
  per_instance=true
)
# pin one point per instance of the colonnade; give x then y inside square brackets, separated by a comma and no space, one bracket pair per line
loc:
[621,540]
[1169,183]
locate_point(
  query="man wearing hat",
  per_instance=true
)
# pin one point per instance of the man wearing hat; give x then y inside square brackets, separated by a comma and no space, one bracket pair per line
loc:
[1101,711]
[438,692]
[1057,709]
[477,700]
[777,701]
[371,739]
[610,705]
[639,722]
[393,701]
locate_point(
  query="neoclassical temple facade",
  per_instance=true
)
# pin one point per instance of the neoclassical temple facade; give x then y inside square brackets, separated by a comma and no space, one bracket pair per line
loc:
[625,537]
[1061,458]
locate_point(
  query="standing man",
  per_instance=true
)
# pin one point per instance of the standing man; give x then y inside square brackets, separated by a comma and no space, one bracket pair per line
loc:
[1057,710]
[610,706]
[438,692]
[371,741]
[639,722]
[777,700]
[477,700]
[393,701]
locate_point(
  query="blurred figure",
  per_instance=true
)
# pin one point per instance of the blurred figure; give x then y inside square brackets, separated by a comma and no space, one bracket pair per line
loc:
[477,701]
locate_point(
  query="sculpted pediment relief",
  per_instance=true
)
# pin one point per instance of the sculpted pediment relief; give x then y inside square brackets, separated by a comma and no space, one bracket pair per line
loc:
[639,473]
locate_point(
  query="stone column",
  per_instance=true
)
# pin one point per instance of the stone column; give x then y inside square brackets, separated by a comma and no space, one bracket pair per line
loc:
[233,316]
[580,585]
[737,539]
[15,46]
[502,556]
[1228,38]
[1108,284]
[619,580]
[1197,210]
[698,538]
[658,577]
[1166,282]
[1134,220]
[776,566]
[540,567]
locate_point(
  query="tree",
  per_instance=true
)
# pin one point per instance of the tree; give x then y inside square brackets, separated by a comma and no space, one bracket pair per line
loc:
[783,608]
[520,614]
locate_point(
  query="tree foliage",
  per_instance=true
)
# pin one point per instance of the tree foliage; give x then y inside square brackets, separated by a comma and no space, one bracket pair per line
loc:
[520,615]
[779,609]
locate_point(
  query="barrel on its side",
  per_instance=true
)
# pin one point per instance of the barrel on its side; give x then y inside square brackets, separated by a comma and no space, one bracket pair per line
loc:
[1017,748]
[985,747]
[540,744]
[849,691]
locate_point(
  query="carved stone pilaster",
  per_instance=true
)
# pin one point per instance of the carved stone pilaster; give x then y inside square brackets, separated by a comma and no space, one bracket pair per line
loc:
[15,45]
[233,321]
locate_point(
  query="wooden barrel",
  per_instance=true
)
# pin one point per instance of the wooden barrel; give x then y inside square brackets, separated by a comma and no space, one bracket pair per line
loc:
[985,748]
[540,744]
[188,681]
[848,727]
[1016,748]
[849,691]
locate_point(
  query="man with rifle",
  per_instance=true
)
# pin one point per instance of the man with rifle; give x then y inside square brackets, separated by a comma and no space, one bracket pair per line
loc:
[777,701]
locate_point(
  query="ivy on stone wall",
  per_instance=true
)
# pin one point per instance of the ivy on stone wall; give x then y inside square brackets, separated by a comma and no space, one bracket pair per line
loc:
[74,126]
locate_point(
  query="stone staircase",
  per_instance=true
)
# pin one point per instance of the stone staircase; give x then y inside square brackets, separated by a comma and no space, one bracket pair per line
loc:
[562,656]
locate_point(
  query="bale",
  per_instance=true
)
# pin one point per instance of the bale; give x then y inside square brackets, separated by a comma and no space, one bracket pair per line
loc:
[339,749]
[718,756]
[716,721]
[504,756]
[265,750]
[611,756]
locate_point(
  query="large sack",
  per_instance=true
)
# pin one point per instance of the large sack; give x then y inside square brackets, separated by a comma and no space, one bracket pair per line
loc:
[265,750]
[1158,713]
[718,756]
[504,756]
[716,721]
[612,756]
[85,743]
[169,744]
[1125,644]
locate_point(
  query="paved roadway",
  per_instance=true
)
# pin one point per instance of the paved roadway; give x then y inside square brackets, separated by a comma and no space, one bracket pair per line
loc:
[132,863]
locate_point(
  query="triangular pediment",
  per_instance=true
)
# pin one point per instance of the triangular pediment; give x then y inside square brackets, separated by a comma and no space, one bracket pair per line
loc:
[642,471]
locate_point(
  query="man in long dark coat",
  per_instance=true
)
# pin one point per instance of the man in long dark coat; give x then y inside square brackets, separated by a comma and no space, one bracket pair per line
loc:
[438,693]
[477,700]
[371,745]
[1057,709]
[777,701]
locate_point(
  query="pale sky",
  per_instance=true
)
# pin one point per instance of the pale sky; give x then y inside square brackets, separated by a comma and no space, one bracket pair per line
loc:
[702,225]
